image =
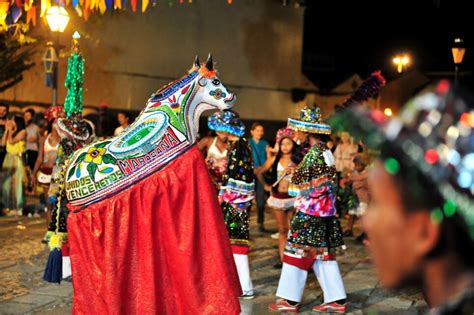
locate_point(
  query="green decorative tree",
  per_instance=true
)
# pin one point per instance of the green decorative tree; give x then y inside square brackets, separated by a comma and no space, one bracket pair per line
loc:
[74,80]
[16,51]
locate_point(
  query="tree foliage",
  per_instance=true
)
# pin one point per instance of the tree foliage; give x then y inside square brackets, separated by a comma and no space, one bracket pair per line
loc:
[16,52]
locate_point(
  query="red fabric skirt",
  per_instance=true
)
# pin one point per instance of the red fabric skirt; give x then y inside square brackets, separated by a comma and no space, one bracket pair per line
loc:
[159,247]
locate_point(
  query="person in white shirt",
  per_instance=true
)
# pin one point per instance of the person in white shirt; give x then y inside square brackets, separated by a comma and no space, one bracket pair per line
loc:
[32,138]
[124,120]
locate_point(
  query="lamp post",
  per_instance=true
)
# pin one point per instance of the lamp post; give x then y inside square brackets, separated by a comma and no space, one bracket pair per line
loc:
[458,51]
[401,61]
[50,63]
[57,18]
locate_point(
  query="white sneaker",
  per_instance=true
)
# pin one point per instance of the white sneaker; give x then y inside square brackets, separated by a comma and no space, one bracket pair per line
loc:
[30,215]
[275,236]
[36,215]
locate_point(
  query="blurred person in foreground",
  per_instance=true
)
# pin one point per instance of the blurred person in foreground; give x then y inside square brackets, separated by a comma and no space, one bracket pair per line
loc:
[420,222]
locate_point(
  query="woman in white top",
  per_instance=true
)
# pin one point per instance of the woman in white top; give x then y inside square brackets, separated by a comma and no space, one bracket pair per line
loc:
[226,125]
[281,166]
[215,149]
[45,162]
[32,139]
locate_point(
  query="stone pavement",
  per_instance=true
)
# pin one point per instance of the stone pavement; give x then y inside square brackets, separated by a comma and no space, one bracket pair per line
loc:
[23,257]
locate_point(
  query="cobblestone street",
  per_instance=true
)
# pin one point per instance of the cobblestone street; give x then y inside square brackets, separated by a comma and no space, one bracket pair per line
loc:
[23,258]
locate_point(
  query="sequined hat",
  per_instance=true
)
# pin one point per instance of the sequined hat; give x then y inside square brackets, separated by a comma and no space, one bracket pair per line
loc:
[239,175]
[309,121]
[228,121]
[284,133]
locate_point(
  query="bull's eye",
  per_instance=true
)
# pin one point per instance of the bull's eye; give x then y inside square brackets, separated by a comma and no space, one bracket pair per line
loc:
[216,82]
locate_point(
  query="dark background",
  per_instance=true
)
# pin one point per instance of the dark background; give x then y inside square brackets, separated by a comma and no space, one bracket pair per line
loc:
[346,37]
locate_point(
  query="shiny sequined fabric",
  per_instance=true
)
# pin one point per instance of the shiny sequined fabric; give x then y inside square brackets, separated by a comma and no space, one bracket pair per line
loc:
[323,234]
[236,218]
[315,232]
[239,163]
[313,166]
[237,192]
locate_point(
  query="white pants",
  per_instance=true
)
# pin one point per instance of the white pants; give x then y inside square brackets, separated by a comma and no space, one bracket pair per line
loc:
[293,280]
[66,266]
[242,264]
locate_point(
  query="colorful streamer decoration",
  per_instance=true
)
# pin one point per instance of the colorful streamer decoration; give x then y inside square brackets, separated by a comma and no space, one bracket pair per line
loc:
[4,7]
[11,11]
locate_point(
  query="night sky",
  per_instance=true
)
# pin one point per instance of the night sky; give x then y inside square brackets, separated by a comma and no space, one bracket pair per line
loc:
[346,37]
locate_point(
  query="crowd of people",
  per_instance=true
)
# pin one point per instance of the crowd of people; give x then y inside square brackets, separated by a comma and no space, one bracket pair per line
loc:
[243,172]
[29,143]
[417,215]
[416,209]
[21,141]
[299,178]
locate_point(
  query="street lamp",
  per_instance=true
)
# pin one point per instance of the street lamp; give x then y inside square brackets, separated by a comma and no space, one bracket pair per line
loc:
[50,63]
[458,51]
[401,61]
[57,18]
[388,112]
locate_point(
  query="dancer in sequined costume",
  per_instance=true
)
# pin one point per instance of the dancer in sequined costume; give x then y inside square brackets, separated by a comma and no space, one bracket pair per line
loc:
[315,235]
[225,125]
[236,195]
[236,191]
